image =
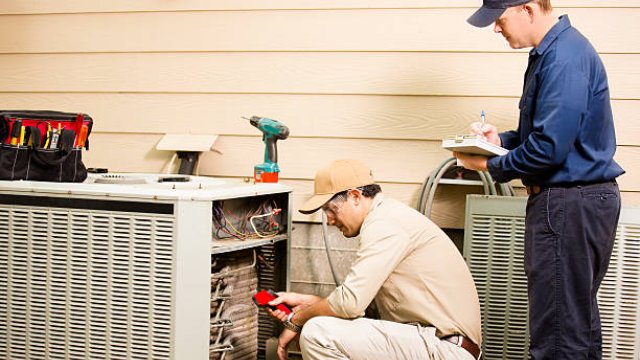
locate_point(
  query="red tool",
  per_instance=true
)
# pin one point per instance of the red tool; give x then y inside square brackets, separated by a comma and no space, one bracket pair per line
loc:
[82,136]
[79,122]
[263,297]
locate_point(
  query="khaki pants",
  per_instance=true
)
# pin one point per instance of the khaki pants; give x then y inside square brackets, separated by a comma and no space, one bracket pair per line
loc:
[367,339]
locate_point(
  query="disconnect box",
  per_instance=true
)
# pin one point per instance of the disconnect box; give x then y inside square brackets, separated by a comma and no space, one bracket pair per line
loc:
[139,267]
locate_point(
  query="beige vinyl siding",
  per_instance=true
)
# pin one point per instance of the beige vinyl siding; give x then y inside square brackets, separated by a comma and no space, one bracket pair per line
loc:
[405,30]
[381,81]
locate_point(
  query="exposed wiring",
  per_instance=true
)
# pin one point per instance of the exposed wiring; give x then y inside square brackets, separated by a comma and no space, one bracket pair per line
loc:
[271,233]
[259,221]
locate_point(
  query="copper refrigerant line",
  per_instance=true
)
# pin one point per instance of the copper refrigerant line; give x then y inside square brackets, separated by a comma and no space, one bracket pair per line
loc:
[232,326]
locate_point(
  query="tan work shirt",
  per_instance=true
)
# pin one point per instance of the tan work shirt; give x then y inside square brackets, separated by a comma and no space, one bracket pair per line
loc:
[412,270]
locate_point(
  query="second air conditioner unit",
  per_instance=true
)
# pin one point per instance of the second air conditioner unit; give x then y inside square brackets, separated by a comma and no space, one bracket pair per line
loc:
[494,251]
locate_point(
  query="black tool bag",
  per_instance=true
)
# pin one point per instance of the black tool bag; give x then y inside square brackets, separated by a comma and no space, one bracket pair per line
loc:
[43,145]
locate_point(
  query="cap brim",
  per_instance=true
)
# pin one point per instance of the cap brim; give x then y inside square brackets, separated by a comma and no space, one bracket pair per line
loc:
[314,203]
[485,16]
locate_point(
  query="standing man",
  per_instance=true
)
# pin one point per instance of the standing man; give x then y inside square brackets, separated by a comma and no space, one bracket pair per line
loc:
[563,152]
[424,293]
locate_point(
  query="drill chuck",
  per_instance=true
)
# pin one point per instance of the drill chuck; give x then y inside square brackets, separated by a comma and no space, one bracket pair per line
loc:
[270,127]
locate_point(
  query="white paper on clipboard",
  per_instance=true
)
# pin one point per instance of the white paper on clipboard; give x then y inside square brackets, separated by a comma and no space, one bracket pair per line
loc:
[472,144]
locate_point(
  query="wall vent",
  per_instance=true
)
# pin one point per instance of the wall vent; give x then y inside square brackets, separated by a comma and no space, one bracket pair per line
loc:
[493,249]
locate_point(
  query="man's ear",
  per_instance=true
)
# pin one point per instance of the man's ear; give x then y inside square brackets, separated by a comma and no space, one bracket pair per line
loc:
[357,195]
[530,10]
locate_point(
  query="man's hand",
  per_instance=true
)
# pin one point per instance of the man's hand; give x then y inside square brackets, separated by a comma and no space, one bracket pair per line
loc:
[487,131]
[471,162]
[286,336]
[305,307]
[296,301]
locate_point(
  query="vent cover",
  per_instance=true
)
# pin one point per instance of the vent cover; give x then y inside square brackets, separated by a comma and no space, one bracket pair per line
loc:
[493,249]
[85,284]
[619,295]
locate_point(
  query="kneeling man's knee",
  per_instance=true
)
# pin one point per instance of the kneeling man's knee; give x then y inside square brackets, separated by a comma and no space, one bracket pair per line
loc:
[316,330]
[318,339]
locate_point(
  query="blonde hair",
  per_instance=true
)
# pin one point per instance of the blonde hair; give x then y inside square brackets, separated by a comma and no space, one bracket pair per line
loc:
[545,5]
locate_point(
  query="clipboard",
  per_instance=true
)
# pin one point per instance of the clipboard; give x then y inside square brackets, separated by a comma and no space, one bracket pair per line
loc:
[472,144]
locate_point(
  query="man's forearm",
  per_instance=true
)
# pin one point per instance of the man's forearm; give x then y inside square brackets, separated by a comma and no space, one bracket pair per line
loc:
[308,299]
[320,308]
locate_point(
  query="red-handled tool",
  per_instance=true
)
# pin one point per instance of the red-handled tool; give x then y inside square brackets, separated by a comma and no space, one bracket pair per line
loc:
[79,122]
[82,136]
[263,297]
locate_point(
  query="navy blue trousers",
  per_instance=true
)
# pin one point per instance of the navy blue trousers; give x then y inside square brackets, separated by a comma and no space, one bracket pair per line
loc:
[569,236]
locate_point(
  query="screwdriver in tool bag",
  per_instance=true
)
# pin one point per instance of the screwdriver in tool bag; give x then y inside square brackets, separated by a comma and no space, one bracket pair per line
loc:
[54,138]
[15,131]
[47,136]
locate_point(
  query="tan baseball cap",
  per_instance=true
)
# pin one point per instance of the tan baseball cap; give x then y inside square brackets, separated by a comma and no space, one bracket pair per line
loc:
[339,176]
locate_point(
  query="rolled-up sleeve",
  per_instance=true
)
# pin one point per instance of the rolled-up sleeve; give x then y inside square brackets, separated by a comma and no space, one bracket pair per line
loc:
[382,247]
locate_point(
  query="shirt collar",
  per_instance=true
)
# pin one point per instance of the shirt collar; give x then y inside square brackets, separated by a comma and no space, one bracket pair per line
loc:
[562,25]
[377,200]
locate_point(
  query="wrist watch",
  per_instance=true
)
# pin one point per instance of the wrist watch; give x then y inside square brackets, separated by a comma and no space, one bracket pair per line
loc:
[290,325]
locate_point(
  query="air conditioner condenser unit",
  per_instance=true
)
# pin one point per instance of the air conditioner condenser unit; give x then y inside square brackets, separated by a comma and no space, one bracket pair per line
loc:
[126,266]
[494,251]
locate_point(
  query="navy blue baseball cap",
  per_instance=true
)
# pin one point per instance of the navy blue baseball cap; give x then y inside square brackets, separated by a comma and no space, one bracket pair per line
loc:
[491,10]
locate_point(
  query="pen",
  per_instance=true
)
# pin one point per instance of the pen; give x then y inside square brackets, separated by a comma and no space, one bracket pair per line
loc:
[482,117]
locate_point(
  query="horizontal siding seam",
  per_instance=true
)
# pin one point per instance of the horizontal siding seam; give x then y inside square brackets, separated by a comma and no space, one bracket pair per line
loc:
[124,11]
[35,91]
[281,51]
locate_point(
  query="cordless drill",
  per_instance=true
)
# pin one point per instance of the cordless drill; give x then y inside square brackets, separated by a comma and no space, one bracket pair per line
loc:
[272,131]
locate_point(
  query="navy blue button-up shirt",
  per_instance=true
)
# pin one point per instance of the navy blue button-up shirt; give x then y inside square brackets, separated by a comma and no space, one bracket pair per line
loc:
[566,133]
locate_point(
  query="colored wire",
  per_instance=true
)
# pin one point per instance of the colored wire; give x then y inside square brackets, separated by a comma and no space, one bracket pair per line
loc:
[271,233]
[246,225]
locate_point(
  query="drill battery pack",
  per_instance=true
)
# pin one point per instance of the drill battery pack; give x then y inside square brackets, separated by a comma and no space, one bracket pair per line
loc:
[261,176]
